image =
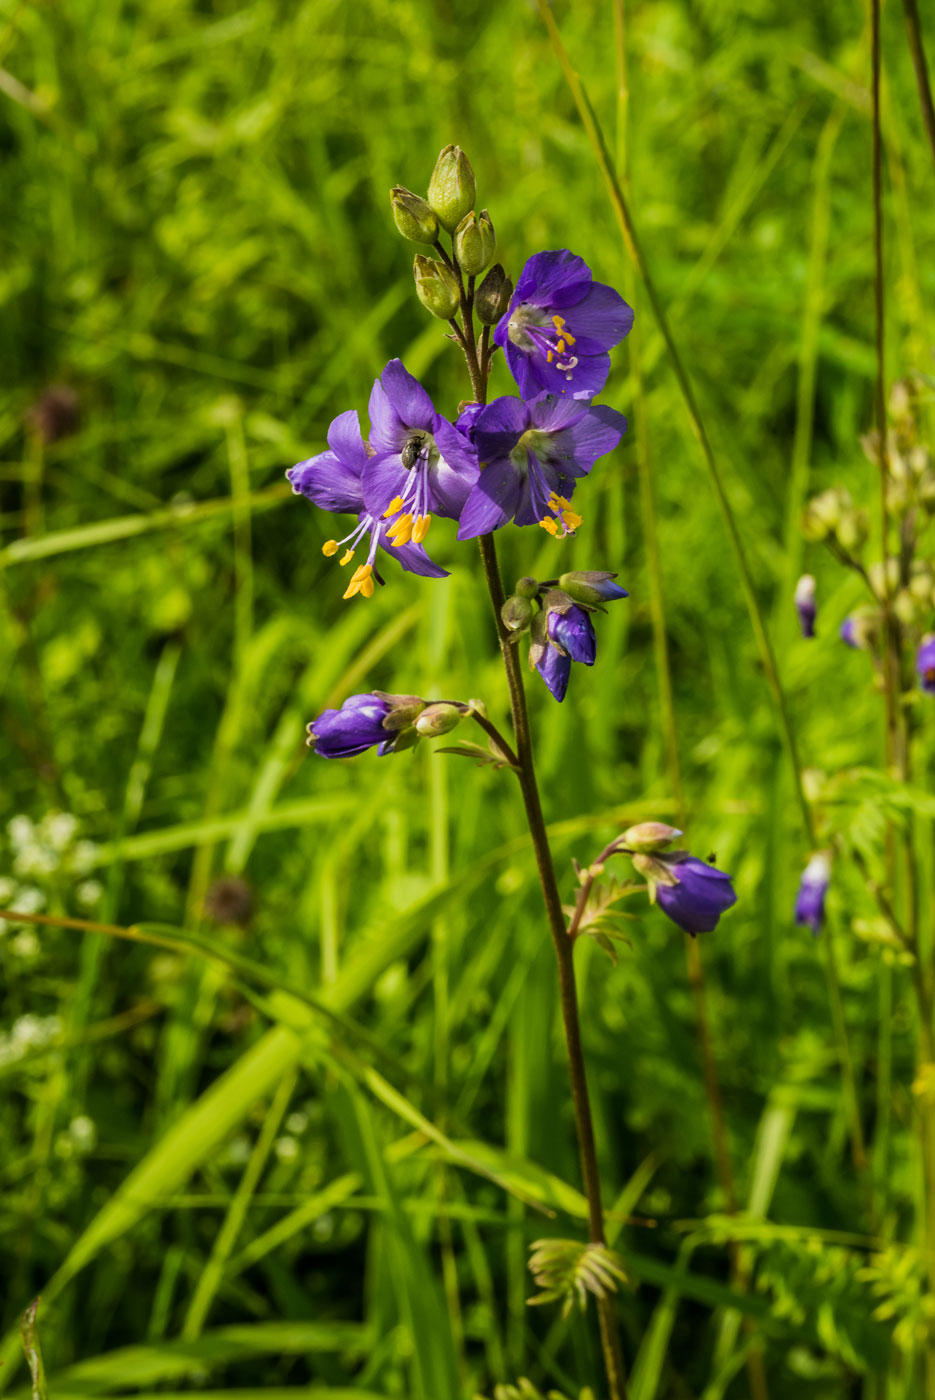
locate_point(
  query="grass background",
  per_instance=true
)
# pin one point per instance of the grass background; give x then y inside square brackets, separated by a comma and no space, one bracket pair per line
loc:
[196,239]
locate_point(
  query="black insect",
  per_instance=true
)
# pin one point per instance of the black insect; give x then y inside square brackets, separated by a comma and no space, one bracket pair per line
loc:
[413,451]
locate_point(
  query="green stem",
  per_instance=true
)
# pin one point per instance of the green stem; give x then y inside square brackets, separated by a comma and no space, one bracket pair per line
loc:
[564,953]
[917,49]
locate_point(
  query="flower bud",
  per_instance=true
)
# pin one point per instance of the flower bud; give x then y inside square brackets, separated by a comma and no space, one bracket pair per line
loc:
[805,605]
[884,581]
[860,629]
[492,298]
[474,242]
[591,586]
[415,217]
[516,613]
[437,287]
[527,587]
[823,514]
[649,836]
[452,187]
[438,719]
[853,529]
[401,709]
[906,608]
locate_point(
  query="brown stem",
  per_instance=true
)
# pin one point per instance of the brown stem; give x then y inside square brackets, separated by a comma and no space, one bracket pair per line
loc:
[916,48]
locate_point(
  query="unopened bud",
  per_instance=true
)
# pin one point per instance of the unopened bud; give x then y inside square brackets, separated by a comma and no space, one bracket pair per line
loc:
[906,608]
[438,719]
[492,298]
[527,587]
[591,586]
[884,582]
[823,514]
[650,836]
[474,242]
[516,613]
[452,187]
[415,217]
[437,287]
[853,529]
[403,710]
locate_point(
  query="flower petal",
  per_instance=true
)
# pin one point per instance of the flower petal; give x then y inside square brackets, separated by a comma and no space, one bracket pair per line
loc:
[499,427]
[328,482]
[595,433]
[554,668]
[600,321]
[558,278]
[492,502]
[402,405]
[346,440]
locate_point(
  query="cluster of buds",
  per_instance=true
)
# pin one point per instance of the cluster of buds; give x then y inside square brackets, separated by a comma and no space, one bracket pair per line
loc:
[910,470]
[832,518]
[389,723]
[449,206]
[556,614]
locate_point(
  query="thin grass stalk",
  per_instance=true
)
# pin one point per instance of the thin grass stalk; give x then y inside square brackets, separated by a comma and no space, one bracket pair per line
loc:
[767,656]
[897,734]
[917,50]
[693,955]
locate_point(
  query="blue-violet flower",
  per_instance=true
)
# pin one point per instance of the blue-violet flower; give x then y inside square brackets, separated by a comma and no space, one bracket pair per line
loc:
[532,452]
[813,886]
[559,327]
[805,605]
[692,893]
[925,662]
[362,722]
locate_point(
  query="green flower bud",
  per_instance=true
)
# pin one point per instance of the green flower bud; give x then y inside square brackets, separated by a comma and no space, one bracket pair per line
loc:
[591,586]
[437,287]
[516,613]
[906,607]
[474,242]
[492,298]
[526,586]
[404,711]
[538,638]
[650,836]
[823,514]
[438,719]
[452,187]
[884,582]
[415,217]
[853,529]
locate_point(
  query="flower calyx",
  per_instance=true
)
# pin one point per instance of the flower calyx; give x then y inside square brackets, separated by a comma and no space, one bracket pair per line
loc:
[437,286]
[415,217]
[474,242]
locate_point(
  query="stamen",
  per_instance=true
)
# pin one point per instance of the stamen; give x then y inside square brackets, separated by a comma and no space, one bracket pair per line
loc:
[405,533]
[560,348]
[565,521]
[395,504]
[549,523]
[362,573]
[329,547]
[346,557]
[421,528]
[401,526]
[366,587]
[549,356]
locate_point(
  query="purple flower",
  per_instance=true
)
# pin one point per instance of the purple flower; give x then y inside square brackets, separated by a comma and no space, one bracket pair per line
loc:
[333,481]
[925,663]
[362,722]
[559,327]
[554,667]
[805,606]
[421,463]
[813,886]
[570,638]
[699,895]
[532,452]
[847,633]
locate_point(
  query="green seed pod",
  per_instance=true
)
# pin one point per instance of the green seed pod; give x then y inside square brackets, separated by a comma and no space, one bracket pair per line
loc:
[415,217]
[527,587]
[516,613]
[437,287]
[438,719]
[492,298]
[474,242]
[452,187]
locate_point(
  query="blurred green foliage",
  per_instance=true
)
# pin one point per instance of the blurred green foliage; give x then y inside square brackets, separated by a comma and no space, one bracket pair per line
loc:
[196,240]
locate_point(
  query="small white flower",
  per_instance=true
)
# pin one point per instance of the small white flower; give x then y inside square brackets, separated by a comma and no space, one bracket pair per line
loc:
[83,1132]
[84,857]
[21,832]
[27,1030]
[89,892]
[58,829]
[36,859]
[25,944]
[287,1149]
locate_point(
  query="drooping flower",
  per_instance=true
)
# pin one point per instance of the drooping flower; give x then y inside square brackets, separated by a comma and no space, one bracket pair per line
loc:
[594,586]
[421,463]
[560,326]
[692,893]
[805,605]
[562,632]
[332,480]
[532,454]
[925,663]
[365,721]
[813,886]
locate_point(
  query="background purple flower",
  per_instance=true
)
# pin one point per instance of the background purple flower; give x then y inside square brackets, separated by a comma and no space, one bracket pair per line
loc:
[560,326]
[332,480]
[925,663]
[531,452]
[813,886]
[699,897]
[805,606]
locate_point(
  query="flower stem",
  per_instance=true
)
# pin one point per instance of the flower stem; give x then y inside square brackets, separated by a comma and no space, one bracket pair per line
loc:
[564,953]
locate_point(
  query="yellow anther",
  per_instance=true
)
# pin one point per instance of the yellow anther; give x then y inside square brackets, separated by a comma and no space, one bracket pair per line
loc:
[549,356]
[421,528]
[569,339]
[559,323]
[400,526]
[572,520]
[353,587]
[560,502]
[363,572]
[346,557]
[550,524]
[560,348]
[366,587]
[329,547]
[395,504]
[404,535]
